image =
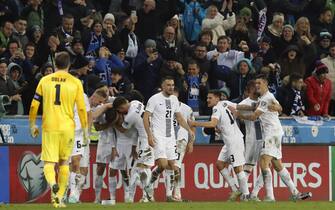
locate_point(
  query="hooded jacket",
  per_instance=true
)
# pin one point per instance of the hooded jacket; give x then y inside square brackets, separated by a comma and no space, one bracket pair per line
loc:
[289,66]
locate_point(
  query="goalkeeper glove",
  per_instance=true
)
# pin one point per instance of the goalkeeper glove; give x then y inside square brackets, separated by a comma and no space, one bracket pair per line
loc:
[34,131]
[85,136]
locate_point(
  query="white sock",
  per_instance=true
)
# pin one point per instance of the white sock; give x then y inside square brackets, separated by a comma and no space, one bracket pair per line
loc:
[258,186]
[98,187]
[134,177]
[72,183]
[145,176]
[169,182]
[242,181]
[112,182]
[229,179]
[267,177]
[285,176]
[247,175]
[81,183]
[176,191]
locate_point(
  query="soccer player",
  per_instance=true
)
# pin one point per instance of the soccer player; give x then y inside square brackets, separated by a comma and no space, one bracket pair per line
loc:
[184,144]
[233,151]
[271,153]
[133,119]
[161,108]
[58,92]
[80,152]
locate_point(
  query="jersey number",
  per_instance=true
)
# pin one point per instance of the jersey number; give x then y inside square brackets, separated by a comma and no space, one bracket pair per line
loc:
[57,99]
[230,117]
[168,114]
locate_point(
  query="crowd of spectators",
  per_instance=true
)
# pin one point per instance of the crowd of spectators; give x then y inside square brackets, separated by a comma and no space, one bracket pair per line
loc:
[202,44]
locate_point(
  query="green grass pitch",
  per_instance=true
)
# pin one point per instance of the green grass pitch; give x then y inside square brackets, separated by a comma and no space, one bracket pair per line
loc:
[185,206]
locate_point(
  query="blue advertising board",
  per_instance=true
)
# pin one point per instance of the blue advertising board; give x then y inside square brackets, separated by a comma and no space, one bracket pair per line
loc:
[4,174]
[16,130]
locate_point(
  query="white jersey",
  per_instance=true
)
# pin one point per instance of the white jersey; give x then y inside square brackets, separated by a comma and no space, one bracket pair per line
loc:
[163,110]
[187,114]
[253,128]
[134,119]
[76,115]
[129,137]
[227,125]
[104,133]
[270,121]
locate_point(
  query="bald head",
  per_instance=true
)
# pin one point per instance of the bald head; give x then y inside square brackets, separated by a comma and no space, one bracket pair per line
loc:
[149,5]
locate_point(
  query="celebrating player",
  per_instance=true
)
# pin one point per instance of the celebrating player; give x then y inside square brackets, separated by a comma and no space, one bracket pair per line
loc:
[272,135]
[162,107]
[58,92]
[233,151]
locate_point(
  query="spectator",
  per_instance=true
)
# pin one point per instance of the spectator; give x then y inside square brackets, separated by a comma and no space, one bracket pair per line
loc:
[329,61]
[325,21]
[172,68]
[196,88]
[318,91]
[239,77]
[28,65]
[121,86]
[7,87]
[8,11]
[34,14]
[20,85]
[14,52]
[287,38]
[147,65]
[19,31]
[127,73]
[275,29]
[192,19]
[266,51]
[45,70]
[200,56]
[256,58]
[216,22]
[174,22]
[323,44]
[206,37]
[291,97]
[303,29]
[66,33]
[292,61]
[129,40]
[5,35]
[113,42]
[167,44]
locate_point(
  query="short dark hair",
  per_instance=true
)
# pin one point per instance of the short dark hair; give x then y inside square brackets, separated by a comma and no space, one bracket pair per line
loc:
[62,60]
[119,101]
[135,95]
[224,37]
[67,16]
[166,78]
[295,77]
[111,115]
[215,92]
[192,62]
[117,71]
[200,44]
[30,44]
[206,32]
[326,9]
[250,84]
[12,41]
[263,77]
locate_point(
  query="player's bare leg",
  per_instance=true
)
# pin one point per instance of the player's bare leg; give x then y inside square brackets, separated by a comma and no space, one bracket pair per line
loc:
[99,181]
[265,163]
[223,169]
[243,182]
[126,185]
[247,170]
[286,178]
[83,172]
[50,176]
[112,182]
[75,179]
[142,173]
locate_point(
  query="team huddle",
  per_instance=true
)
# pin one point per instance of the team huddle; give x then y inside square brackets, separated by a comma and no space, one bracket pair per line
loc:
[133,138]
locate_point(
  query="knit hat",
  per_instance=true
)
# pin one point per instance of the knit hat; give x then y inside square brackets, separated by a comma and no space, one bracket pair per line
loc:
[266,39]
[109,16]
[324,34]
[79,62]
[225,91]
[245,11]
[320,68]
[289,27]
[3,60]
[150,43]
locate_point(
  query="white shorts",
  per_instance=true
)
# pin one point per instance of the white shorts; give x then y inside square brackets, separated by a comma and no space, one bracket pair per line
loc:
[272,146]
[234,153]
[85,158]
[78,148]
[252,151]
[124,160]
[165,148]
[104,151]
[146,156]
[181,149]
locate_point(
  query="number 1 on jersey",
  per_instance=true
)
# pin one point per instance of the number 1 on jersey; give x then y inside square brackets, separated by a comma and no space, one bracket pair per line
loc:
[57,99]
